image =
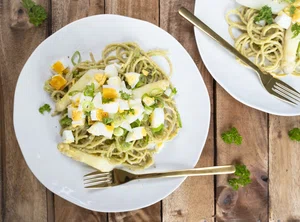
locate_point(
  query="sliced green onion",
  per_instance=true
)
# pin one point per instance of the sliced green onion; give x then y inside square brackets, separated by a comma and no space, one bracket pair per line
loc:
[179,119]
[158,129]
[87,106]
[74,56]
[118,131]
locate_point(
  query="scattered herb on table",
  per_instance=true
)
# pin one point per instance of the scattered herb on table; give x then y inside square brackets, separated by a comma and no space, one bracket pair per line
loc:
[294,134]
[232,136]
[37,14]
[243,177]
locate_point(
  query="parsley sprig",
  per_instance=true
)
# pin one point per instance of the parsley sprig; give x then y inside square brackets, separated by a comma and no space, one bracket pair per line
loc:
[294,134]
[296,30]
[265,14]
[37,14]
[232,136]
[45,108]
[243,177]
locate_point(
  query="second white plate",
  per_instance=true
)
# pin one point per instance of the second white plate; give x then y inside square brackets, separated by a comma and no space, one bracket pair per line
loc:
[239,81]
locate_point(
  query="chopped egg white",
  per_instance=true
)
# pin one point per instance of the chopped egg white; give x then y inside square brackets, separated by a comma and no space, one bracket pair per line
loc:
[132,78]
[111,107]
[133,102]
[283,20]
[124,89]
[126,125]
[148,101]
[96,115]
[67,136]
[168,92]
[123,104]
[100,129]
[157,117]
[111,70]
[136,134]
[97,101]
[138,112]
[114,81]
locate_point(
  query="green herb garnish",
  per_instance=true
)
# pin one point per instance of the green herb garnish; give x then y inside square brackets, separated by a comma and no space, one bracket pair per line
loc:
[66,121]
[36,13]
[107,120]
[136,123]
[232,136]
[290,1]
[174,91]
[294,134]
[265,14]
[158,129]
[74,56]
[292,10]
[45,107]
[125,95]
[243,179]
[89,90]
[296,30]
[107,100]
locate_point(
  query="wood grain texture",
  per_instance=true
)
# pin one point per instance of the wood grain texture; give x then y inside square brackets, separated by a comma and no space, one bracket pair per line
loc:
[284,170]
[249,203]
[64,12]
[194,199]
[149,11]
[24,198]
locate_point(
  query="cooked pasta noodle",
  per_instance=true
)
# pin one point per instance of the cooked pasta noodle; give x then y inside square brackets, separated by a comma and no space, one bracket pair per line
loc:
[263,44]
[128,57]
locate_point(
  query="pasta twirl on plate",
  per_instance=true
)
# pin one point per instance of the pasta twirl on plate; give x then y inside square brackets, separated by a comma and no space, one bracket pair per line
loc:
[119,110]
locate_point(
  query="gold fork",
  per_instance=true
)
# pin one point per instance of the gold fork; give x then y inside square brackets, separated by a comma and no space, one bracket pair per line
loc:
[116,177]
[274,86]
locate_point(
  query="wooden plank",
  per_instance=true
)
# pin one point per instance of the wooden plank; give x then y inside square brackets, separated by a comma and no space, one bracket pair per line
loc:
[64,12]
[284,170]
[149,11]
[194,200]
[249,203]
[24,198]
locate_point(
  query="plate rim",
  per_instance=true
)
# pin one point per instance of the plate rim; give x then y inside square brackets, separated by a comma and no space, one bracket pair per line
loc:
[91,207]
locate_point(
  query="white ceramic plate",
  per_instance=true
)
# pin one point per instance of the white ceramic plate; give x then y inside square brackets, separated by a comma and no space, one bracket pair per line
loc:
[38,134]
[240,82]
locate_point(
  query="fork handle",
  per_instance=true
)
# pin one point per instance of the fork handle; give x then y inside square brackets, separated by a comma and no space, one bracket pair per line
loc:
[203,27]
[215,170]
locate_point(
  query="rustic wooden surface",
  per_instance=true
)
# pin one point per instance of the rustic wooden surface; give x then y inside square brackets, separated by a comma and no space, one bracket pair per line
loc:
[272,158]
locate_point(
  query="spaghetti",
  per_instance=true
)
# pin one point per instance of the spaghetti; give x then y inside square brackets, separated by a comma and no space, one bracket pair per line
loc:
[128,58]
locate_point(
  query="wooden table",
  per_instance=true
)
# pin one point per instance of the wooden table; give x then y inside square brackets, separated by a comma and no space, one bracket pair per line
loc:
[273,159]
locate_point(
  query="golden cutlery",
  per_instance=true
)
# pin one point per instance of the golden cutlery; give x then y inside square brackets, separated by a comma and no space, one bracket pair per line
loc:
[117,177]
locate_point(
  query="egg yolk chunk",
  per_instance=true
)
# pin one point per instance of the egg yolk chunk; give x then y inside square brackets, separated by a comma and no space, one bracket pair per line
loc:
[76,115]
[58,67]
[58,82]
[100,114]
[109,128]
[100,78]
[109,93]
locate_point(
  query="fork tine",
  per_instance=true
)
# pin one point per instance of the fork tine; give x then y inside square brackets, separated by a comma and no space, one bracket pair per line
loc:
[287,93]
[282,96]
[96,176]
[96,173]
[98,186]
[103,180]
[288,88]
